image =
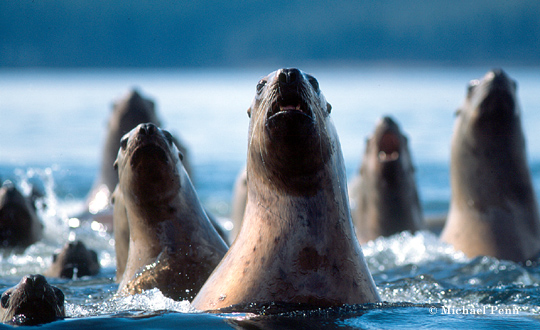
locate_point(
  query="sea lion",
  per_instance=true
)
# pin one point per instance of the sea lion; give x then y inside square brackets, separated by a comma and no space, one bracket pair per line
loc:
[74,260]
[31,302]
[172,246]
[121,232]
[384,193]
[493,210]
[238,205]
[127,113]
[297,243]
[20,226]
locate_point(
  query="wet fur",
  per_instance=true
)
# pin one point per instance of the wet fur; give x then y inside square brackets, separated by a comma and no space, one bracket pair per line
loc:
[296,243]
[493,209]
[172,244]
[385,192]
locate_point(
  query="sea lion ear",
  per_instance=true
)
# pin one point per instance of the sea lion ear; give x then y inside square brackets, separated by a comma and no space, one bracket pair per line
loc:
[181,155]
[115,164]
[249,112]
[328,107]
[54,257]
[458,112]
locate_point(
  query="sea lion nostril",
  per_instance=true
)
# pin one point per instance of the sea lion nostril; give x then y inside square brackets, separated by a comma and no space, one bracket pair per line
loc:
[148,129]
[288,76]
[283,77]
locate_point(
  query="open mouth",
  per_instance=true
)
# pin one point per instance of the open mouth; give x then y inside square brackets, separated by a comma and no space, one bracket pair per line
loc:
[290,104]
[389,147]
[150,152]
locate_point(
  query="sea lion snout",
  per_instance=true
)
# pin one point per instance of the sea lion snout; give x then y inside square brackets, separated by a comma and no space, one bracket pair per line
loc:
[389,140]
[388,122]
[499,80]
[147,129]
[288,76]
[34,285]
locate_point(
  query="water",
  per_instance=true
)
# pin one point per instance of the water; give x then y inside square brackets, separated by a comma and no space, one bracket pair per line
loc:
[53,127]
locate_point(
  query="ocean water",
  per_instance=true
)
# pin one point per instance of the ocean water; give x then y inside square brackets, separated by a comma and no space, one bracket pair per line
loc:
[53,128]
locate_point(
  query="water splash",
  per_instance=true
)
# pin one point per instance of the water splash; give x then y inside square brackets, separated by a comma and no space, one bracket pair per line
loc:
[148,301]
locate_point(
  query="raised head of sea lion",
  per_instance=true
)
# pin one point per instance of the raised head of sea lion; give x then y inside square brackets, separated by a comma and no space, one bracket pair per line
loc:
[172,244]
[297,243]
[20,226]
[127,113]
[33,301]
[384,194]
[493,210]
[74,260]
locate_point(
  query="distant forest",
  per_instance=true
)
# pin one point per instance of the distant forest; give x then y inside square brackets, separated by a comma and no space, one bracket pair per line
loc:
[145,33]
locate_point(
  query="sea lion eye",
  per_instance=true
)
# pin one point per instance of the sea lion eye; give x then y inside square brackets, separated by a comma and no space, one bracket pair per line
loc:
[169,137]
[5,300]
[260,86]
[123,142]
[314,83]
[472,85]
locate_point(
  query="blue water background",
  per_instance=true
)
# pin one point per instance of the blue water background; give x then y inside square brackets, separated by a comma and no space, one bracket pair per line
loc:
[54,126]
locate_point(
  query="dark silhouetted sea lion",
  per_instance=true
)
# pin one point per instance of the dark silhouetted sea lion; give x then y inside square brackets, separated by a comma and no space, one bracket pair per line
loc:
[493,210]
[173,246]
[74,260]
[297,243]
[384,193]
[31,302]
[127,113]
[20,226]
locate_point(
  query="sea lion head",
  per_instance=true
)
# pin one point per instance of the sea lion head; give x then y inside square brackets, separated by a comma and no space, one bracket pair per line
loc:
[19,224]
[32,301]
[75,260]
[386,153]
[289,138]
[127,113]
[133,110]
[490,108]
[148,164]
